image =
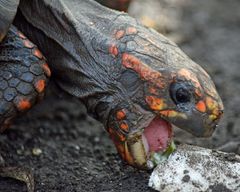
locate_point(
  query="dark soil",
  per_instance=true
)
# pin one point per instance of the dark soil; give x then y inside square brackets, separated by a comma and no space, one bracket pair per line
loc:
[77,154]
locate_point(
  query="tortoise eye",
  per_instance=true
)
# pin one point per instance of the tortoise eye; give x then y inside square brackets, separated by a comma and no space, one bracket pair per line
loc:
[180,93]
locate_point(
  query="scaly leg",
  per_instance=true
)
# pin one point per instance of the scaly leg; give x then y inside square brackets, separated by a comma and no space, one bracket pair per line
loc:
[23,78]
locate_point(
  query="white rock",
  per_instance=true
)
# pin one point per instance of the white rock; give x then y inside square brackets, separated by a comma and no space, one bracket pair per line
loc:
[193,168]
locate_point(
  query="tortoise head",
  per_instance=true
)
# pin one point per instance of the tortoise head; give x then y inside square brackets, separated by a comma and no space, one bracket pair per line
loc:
[159,87]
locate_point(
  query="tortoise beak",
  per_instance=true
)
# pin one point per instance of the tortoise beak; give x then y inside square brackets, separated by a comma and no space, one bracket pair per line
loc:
[201,124]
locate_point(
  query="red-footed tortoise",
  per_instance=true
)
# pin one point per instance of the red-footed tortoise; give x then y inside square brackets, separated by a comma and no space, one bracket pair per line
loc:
[131,78]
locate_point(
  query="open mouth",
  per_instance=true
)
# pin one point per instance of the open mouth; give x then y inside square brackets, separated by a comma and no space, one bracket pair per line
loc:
[153,145]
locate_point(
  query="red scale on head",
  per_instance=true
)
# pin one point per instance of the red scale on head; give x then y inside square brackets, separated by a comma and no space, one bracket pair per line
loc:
[113,50]
[145,72]
[119,34]
[131,30]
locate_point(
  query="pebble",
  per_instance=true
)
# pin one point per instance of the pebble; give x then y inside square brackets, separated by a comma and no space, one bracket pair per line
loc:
[36,151]
[192,168]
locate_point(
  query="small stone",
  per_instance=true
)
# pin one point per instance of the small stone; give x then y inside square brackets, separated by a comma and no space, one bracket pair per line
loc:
[96,139]
[192,168]
[36,151]
[20,151]
[186,178]
[85,168]
[150,164]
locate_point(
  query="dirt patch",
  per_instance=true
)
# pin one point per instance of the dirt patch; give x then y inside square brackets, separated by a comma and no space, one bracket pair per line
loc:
[77,154]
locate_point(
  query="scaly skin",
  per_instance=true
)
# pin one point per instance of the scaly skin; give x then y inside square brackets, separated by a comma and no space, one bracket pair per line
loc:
[23,74]
[124,73]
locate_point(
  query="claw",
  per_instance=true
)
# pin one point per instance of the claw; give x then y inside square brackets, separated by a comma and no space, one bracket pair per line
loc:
[19,173]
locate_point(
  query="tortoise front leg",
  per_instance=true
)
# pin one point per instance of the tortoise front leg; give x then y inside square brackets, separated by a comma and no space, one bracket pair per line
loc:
[23,78]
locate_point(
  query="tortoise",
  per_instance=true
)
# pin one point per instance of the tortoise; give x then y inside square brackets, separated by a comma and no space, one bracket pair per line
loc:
[132,79]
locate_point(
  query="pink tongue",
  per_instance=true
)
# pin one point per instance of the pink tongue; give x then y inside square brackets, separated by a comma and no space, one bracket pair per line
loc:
[158,134]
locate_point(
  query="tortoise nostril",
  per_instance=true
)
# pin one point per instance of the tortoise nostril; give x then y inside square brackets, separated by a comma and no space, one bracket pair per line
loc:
[221,111]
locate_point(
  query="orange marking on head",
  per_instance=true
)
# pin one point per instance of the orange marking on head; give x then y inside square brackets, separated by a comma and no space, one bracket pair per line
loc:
[40,85]
[189,76]
[46,69]
[186,73]
[155,103]
[214,107]
[198,92]
[37,53]
[120,115]
[201,106]
[124,126]
[119,34]
[130,61]
[152,90]
[23,104]
[212,117]
[113,50]
[172,113]
[28,44]
[145,72]
[169,113]
[131,30]
[216,111]
[211,104]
